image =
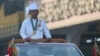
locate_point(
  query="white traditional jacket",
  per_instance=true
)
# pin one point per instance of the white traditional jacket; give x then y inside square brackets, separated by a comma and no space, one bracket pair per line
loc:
[27,30]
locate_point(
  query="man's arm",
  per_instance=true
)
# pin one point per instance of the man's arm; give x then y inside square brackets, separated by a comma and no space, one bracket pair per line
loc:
[46,30]
[23,30]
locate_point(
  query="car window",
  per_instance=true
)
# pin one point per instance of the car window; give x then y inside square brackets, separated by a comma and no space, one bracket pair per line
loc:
[48,50]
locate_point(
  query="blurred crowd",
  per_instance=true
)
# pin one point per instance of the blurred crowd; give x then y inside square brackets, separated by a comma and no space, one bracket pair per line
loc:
[64,9]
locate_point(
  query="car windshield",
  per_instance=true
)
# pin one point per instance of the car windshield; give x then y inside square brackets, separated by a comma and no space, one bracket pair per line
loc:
[48,50]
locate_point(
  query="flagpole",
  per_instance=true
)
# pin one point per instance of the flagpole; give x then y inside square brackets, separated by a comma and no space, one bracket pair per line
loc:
[96,48]
[13,45]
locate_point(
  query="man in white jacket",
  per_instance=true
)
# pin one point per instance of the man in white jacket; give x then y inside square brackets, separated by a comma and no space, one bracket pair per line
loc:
[33,27]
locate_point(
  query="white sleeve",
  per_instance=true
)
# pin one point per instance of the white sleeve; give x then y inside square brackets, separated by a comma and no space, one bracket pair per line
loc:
[23,30]
[46,30]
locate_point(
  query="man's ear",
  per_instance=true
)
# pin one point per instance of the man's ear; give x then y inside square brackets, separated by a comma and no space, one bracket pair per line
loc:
[38,12]
[29,12]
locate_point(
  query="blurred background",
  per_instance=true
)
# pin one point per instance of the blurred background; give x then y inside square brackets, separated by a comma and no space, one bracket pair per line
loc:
[76,21]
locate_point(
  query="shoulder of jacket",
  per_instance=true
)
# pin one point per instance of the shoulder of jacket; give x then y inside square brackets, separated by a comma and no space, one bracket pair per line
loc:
[26,20]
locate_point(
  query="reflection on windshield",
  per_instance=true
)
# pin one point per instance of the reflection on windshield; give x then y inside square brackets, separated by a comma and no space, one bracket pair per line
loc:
[48,50]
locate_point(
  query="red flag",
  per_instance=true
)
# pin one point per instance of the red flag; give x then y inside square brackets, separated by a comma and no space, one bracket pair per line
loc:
[95,49]
[94,52]
[10,51]
[10,48]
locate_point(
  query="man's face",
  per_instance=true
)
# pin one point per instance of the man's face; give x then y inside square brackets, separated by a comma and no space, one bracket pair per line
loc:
[34,13]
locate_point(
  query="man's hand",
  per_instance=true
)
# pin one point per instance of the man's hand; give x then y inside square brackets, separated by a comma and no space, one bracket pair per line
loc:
[48,40]
[27,40]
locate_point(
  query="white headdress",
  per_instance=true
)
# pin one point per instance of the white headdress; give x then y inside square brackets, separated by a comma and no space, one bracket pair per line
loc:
[33,7]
